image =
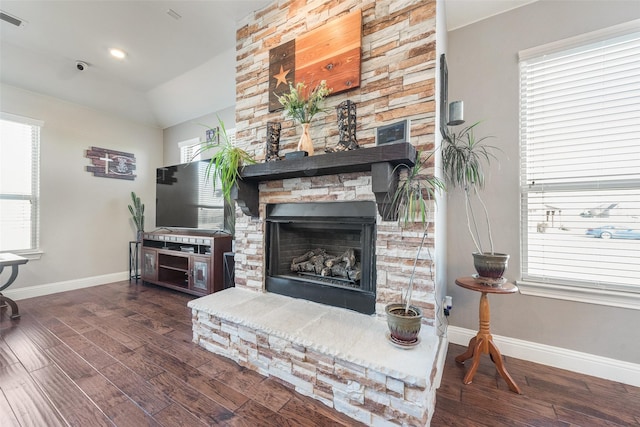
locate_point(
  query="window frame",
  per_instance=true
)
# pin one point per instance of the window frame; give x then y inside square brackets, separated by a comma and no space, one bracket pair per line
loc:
[34,252]
[610,295]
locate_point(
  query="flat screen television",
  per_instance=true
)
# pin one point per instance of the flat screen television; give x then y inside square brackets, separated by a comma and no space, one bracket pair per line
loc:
[185,198]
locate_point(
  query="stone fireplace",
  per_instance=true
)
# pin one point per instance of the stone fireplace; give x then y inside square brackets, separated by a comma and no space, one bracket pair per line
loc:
[319,345]
[326,347]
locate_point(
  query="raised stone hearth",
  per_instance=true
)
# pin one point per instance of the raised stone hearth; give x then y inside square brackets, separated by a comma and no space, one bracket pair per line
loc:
[338,356]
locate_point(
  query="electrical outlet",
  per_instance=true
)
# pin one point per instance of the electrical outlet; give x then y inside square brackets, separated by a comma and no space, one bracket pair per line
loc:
[448,302]
[448,305]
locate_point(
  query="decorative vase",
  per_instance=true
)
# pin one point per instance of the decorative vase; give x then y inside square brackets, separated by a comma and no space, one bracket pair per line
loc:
[403,327]
[490,265]
[305,143]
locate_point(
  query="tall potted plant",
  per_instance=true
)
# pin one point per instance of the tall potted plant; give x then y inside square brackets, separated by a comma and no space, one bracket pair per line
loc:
[412,203]
[302,105]
[464,160]
[137,215]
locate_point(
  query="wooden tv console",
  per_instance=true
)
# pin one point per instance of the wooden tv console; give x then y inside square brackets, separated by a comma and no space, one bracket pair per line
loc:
[187,261]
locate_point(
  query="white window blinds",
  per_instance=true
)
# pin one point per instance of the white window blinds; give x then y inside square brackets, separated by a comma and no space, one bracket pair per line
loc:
[580,162]
[188,150]
[19,183]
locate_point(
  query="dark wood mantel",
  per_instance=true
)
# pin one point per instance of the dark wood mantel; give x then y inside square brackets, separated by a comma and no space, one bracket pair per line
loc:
[381,160]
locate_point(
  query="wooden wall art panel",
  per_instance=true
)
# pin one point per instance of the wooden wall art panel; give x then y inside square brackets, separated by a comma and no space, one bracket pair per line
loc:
[331,52]
[281,71]
[111,164]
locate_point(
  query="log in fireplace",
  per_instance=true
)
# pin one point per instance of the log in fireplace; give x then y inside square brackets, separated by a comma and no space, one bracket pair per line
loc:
[323,252]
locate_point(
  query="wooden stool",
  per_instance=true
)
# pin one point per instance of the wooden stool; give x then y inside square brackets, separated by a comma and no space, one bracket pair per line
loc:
[483,343]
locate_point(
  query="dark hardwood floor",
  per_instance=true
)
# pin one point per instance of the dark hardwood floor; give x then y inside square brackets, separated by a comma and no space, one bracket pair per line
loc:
[121,354]
[550,397]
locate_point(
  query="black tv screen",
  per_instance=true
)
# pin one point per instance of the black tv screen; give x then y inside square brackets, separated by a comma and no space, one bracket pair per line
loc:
[185,198]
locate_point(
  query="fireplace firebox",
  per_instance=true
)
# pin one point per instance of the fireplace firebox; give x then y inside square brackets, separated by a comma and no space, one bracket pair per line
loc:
[323,252]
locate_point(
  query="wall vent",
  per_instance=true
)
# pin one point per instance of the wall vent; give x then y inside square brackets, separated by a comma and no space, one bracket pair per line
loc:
[11,19]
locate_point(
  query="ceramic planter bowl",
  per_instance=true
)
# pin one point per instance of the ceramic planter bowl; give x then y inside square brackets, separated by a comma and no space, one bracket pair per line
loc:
[403,329]
[490,265]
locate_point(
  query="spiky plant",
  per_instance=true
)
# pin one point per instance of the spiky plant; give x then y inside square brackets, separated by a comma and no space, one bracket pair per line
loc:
[411,199]
[137,212]
[226,163]
[464,158]
[411,204]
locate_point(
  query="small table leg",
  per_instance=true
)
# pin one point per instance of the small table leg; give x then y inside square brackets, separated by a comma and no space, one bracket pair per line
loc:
[496,357]
[4,301]
[483,343]
[14,262]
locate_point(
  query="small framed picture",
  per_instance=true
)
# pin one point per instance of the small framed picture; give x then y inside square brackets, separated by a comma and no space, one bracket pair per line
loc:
[396,132]
[212,135]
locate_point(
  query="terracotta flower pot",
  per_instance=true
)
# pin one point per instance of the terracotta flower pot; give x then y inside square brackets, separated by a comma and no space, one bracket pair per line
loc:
[403,328]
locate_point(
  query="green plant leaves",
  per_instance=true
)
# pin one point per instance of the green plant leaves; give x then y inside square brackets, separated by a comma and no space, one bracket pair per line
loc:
[303,107]
[411,199]
[463,156]
[137,212]
[226,163]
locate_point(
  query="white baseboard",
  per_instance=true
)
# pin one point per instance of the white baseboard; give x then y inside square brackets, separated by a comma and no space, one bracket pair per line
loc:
[69,285]
[584,363]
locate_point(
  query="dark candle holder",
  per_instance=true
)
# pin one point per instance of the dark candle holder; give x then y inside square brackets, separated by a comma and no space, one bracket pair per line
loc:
[346,114]
[273,141]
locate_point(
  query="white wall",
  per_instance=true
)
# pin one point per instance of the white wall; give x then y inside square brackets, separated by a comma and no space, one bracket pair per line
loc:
[483,71]
[85,223]
[194,129]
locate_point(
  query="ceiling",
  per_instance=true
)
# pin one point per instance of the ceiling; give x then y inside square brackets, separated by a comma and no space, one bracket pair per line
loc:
[176,69]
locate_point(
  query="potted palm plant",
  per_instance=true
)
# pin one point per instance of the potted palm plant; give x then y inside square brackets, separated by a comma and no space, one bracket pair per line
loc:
[224,167]
[412,202]
[464,159]
[227,161]
[302,104]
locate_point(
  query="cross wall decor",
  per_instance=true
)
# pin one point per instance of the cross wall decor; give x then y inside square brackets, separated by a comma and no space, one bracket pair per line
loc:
[111,164]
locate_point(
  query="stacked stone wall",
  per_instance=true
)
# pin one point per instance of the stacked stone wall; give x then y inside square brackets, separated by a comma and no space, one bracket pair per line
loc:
[397,83]
[372,397]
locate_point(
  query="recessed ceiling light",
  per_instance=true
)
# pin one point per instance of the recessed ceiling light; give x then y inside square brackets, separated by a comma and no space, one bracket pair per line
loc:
[117,53]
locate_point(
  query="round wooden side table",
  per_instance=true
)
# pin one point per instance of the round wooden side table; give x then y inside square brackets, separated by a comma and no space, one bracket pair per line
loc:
[483,343]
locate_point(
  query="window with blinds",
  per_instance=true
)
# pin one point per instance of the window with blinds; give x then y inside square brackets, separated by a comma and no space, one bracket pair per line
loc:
[580,161]
[19,183]
[189,150]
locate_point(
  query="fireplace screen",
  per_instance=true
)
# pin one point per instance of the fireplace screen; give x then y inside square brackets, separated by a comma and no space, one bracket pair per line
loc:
[323,252]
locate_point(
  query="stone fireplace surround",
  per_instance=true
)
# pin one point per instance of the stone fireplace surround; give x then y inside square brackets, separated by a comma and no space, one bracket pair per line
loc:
[337,356]
[299,342]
